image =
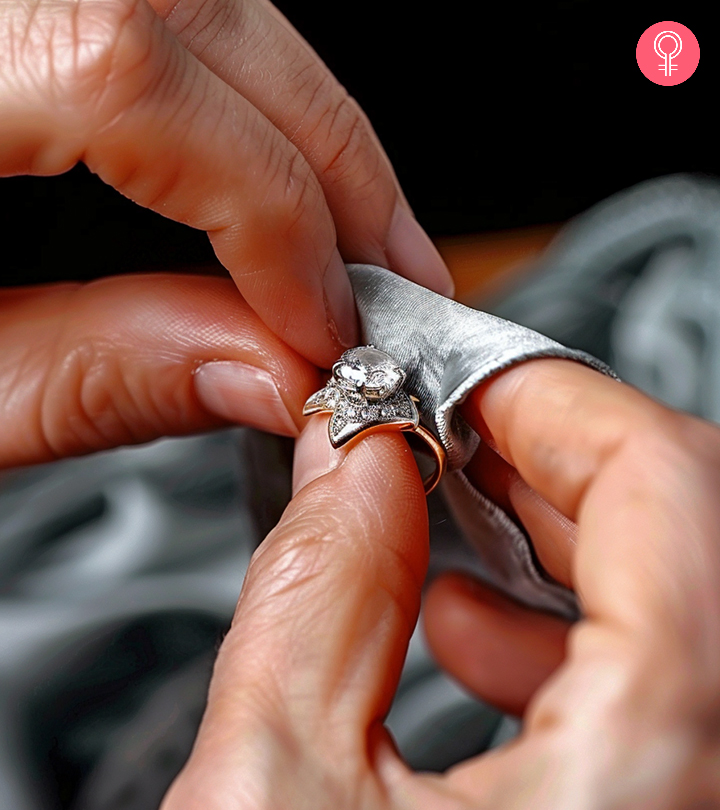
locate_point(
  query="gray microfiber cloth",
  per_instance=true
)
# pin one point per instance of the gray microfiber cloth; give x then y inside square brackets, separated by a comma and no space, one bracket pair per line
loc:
[447,349]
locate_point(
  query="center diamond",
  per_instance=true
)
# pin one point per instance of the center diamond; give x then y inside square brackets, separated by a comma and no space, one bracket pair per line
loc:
[369,371]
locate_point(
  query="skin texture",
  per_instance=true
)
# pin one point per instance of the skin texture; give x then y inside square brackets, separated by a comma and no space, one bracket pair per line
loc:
[218,115]
[87,367]
[621,710]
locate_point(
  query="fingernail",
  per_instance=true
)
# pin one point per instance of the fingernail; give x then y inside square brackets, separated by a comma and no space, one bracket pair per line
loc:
[411,253]
[245,394]
[314,455]
[340,302]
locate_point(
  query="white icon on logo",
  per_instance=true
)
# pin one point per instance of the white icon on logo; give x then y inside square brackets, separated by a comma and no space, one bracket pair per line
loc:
[667,56]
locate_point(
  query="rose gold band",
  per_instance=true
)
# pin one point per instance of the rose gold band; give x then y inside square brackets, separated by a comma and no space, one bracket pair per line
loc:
[438,452]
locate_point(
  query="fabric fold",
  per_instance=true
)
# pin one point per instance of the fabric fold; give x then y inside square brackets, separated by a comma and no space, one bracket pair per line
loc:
[447,349]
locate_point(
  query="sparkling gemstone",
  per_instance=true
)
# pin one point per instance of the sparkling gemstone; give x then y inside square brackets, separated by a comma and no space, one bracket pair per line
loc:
[351,413]
[364,413]
[355,376]
[370,371]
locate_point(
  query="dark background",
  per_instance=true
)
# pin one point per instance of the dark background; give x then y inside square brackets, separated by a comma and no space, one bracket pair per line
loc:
[494,117]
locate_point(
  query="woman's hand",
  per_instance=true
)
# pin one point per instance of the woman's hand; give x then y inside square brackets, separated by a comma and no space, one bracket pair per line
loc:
[216,114]
[130,359]
[621,710]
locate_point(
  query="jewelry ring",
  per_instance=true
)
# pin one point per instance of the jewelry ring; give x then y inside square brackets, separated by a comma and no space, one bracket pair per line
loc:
[365,395]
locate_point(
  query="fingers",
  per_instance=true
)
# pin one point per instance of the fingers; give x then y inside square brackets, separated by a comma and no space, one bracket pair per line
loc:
[641,481]
[557,422]
[241,42]
[624,719]
[106,82]
[572,433]
[496,648]
[553,536]
[330,600]
[127,360]
[634,474]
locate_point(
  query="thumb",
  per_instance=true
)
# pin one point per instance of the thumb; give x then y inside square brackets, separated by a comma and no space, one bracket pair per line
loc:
[327,609]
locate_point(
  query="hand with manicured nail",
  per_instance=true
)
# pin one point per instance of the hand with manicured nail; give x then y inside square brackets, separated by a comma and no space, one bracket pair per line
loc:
[619,496]
[129,359]
[219,116]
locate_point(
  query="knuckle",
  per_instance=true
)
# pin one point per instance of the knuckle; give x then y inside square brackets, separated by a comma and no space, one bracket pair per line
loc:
[297,550]
[674,451]
[314,546]
[86,403]
[200,25]
[652,435]
[335,133]
[657,431]
[300,188]
[653,424]
[70,428]
[113,50]
[351,152]
[310,549]
[293,198]
[71,53]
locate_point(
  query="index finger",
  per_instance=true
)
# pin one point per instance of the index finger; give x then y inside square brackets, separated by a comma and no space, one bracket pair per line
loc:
[639,479]
[107,83]
[642,671]
[317,115]
[557,422]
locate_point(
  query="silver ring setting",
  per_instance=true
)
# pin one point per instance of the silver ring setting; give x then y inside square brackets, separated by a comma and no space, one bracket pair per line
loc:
[365,394]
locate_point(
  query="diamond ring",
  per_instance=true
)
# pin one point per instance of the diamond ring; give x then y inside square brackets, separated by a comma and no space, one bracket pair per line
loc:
[365,395]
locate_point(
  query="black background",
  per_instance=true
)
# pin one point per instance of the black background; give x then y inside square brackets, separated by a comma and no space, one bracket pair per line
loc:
[495,117]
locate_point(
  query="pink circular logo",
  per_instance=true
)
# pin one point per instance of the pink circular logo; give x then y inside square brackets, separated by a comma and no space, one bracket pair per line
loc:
[668,53]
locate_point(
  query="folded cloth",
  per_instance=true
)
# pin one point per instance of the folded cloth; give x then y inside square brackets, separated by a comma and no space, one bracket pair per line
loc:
[447,349]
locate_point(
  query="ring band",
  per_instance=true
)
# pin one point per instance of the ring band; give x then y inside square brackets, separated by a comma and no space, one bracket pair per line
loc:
[438,451]
[365,395]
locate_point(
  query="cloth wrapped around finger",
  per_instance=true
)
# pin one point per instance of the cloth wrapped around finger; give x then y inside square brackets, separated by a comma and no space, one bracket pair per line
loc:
[447,349]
